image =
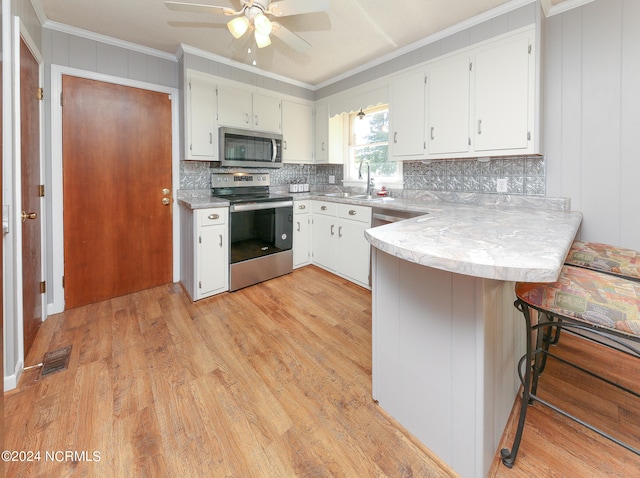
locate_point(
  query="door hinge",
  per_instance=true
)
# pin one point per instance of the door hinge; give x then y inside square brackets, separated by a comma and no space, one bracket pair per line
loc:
[43,287]
[426,79]
[469,142]
[41,190]
[199,284]
[199,239]
[528,135]
[529,49]
[40,93]
[63,282]
[61,102]
[470,66]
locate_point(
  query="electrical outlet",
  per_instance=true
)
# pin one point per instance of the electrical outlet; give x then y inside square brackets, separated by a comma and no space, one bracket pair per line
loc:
[332,179]
[501,187]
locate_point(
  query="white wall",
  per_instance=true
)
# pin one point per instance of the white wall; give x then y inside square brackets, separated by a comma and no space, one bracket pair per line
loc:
[591,68]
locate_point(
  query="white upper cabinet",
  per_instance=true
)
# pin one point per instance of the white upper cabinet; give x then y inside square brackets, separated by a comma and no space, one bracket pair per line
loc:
[321,136]
[297,127]
[235,107]
[448,91]
[503,95]
[407,116]
[240,108]
[201,126]
[267,113]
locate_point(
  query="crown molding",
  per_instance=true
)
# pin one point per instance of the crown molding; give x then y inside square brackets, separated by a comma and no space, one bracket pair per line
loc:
[549,9]
[182,49]
[61,27]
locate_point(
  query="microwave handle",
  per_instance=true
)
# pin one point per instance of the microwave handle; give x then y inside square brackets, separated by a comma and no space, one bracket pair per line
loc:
[274,155]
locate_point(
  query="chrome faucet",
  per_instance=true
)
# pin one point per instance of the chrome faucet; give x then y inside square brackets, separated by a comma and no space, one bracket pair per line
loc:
[370,184]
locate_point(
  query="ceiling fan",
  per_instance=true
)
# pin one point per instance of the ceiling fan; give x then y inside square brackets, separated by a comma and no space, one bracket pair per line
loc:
[253,16]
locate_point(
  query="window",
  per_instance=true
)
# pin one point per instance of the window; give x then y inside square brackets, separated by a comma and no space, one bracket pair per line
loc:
[369,143]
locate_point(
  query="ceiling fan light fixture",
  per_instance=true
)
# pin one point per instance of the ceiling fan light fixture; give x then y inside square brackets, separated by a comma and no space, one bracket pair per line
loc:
[238,26]
[261,40]
[262,24]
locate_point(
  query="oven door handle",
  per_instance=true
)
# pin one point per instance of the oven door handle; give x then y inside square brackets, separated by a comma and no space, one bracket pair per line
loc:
[255,206]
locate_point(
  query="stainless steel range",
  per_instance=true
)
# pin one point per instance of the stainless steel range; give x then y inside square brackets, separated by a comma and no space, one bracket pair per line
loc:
[260,228]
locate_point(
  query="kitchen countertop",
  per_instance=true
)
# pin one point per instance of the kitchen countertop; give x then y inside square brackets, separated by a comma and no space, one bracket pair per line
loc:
[504,243]
[501,242]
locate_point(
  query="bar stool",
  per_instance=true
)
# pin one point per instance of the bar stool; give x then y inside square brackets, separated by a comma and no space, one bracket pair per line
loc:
[604,306]
[605,258]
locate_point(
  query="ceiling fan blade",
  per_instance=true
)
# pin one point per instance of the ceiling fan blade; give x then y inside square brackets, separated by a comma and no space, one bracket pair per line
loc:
[283,8]
[198,8]
[290,38]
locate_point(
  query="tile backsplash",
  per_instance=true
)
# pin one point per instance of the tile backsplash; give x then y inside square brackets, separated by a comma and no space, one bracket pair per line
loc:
[525,175]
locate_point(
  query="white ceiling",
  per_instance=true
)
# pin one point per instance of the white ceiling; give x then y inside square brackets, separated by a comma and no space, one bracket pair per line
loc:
[350,34]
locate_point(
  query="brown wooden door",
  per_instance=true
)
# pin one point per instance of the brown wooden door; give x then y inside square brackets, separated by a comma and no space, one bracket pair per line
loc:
[116,144]
[31,226]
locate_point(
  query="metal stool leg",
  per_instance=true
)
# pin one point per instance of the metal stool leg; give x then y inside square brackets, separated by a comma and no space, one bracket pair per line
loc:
[509,456]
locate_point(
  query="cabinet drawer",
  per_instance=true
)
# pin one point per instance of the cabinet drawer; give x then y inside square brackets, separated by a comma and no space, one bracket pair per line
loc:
[321,207]
[301,207]
[355,213]
[212,217]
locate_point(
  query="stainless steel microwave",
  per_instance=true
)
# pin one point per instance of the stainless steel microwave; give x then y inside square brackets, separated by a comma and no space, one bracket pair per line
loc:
[250,149]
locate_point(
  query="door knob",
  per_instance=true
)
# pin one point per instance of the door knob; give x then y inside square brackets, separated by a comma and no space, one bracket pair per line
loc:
[165,191]
[31,215]
[166,201]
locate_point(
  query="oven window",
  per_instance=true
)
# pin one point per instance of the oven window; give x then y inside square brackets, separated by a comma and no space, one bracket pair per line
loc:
[260,233]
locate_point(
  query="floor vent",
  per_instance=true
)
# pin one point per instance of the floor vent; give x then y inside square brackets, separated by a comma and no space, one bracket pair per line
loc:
[55,361]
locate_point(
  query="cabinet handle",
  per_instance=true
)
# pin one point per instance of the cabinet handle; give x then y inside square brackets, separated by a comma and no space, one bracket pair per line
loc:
[302,206]
[395,136]
[246,118]
[210,138]
[214,216]
[298,223]
[284,145]
[256,117]
[323,146]
[479,126]
[352,212]
[340,231]
[332,226]
[323,208]
[220,239]
[432,129]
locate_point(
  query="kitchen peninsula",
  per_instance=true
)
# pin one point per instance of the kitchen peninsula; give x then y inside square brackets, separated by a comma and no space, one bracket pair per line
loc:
[446,337]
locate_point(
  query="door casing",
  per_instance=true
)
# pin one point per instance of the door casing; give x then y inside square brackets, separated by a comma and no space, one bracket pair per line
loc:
[56,245]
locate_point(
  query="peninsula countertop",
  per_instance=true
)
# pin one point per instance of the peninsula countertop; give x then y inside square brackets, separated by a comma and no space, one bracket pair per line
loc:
[504,243]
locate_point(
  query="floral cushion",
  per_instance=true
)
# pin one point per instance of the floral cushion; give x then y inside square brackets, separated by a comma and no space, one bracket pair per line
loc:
[600,299]
[606,258]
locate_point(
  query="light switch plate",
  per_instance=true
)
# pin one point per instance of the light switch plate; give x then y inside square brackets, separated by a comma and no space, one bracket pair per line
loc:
[501,186]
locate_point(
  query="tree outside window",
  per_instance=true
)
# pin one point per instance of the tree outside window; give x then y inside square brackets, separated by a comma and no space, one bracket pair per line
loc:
[369,143]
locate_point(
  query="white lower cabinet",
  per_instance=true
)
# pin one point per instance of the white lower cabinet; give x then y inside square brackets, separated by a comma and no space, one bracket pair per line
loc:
[339,244]
[205,251]
[301,233]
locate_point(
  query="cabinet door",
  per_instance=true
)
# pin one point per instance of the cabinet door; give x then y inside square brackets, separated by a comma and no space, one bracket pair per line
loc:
[297,129]
[407,112]
[267,115]
[448,106]
[301,238]
[234,107]
[353,251]
[321,136]
[213,260]
[202,128]
[502,91]
[325,241]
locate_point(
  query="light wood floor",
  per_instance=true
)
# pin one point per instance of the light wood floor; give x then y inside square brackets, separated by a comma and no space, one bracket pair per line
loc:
[270,381]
